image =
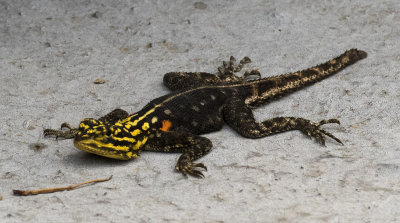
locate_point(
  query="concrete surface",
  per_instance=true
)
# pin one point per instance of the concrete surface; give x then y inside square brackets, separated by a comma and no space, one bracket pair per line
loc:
[52,51]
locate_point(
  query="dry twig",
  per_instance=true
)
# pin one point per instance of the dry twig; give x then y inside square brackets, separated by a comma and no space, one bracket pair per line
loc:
[55,189]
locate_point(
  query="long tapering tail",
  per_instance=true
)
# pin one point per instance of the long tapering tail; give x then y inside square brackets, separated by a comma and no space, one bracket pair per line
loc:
[270,88]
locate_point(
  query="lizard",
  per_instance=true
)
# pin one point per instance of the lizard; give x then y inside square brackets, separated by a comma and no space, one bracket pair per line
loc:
[201,103]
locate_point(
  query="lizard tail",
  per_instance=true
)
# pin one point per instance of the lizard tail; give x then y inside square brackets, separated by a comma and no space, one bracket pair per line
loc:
[270,88]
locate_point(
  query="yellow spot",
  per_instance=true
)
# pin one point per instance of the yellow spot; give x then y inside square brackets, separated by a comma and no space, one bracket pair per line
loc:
[144,140]
[123,139]
[135,156]
[145,126]
[118,124]
[166,124]
[82,125]
[117,131]
[154,119]
[127,126]
[137,145]
[136,132]
[129,154]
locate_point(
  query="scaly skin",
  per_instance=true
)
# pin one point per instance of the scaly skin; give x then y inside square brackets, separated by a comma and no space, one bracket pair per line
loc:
[202,103]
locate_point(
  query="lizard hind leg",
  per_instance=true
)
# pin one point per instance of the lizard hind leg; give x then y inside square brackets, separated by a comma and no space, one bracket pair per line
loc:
[228,70]
[226,75]
[240,117]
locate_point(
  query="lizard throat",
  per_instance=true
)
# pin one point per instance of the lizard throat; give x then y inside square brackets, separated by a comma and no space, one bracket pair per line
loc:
[109,150]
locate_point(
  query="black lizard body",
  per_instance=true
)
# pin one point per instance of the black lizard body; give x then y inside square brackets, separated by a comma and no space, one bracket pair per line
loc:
[201,103]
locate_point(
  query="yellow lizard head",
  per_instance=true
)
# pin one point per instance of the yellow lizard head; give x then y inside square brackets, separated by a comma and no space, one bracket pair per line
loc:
[106,140]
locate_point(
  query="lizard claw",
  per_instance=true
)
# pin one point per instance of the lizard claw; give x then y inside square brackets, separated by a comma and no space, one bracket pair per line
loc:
[66,125]
[229,68]
[315,130]
[201,165]
[188,168]
[60,133]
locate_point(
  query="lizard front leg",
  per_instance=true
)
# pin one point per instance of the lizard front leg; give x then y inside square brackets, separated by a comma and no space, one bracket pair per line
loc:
[108,119]
[240,117]
[59,133]
[191,146]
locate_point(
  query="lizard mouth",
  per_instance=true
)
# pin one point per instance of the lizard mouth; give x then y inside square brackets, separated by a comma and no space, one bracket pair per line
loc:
[104,149]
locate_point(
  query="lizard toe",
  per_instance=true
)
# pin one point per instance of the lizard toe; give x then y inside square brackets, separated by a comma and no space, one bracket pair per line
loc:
[189,168]
[314,130]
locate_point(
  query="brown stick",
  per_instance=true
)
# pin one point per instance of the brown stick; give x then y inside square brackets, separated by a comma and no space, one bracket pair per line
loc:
[55,189]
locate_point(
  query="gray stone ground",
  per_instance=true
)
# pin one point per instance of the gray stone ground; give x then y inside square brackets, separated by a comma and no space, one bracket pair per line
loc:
[52,51]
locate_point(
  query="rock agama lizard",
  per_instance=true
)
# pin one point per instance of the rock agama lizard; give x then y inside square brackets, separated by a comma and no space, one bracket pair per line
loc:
[201,103]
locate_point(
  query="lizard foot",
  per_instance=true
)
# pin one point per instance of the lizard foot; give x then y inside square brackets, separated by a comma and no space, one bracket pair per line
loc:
[312,129]
[187,167]
[69,134]
[228,68]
